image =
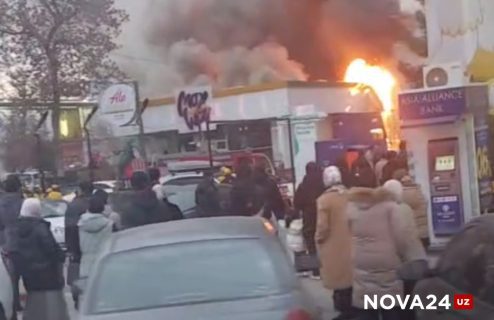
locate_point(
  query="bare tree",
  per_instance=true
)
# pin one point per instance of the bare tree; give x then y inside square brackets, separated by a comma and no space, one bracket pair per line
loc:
[57,46]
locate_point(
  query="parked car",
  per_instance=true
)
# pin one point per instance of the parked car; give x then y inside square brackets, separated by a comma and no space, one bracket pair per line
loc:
[213,268]
[6,297]
[108,186]
[465,267]
[54,212]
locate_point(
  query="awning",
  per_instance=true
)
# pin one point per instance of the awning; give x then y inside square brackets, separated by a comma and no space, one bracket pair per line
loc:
[482,66]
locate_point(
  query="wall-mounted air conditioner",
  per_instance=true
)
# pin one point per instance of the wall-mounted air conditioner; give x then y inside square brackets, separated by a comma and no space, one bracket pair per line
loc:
[445,75]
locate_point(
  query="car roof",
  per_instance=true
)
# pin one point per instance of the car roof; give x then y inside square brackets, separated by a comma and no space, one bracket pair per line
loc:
[188,230]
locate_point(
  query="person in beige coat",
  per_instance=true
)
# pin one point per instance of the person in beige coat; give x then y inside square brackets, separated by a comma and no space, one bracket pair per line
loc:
[380,247]
[333,241]
[415,199]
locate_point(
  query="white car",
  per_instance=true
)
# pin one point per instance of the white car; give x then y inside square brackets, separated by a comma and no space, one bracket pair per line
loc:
[54,213]
[6,296]
[107,186]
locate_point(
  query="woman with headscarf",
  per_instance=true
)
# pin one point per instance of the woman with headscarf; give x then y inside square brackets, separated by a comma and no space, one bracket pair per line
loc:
[334,242]
[40,261]
[305,201]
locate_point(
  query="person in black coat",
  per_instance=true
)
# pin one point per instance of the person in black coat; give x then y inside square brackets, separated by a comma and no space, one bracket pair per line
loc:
[143,206]
[363,173]
[305,201]
[207,197]
[75,209]
[267,189]
[39,259]
[154,176]
[244,199]
[10,207]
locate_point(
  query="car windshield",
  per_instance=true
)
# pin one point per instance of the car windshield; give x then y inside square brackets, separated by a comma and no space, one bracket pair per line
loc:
[53,209]
[187,273]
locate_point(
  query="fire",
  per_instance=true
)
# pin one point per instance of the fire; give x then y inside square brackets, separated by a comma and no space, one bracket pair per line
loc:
[384,85]
[378,78]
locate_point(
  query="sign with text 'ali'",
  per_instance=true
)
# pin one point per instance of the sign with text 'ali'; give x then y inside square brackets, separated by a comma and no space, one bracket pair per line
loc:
[118,104]
[433,104]
[194,105]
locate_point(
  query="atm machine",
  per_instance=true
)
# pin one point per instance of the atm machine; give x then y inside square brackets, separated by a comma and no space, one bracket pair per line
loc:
[440,129]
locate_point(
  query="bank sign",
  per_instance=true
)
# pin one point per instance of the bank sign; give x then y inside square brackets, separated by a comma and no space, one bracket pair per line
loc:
[194,105]
[432,104]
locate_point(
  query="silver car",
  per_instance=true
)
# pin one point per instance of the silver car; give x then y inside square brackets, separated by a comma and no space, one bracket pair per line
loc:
[214,268]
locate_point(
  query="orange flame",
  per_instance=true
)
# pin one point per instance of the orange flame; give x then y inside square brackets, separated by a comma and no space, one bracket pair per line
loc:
[378,78]
[384,84]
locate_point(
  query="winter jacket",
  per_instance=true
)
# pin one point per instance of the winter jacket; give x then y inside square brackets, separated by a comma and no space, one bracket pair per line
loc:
[6,293]
[207,198]
[413,197]
[379,235]
[333,239]
[245,198]
[38,257]
[142,208]
[74,211]
[94,230]
[305,201]
[10,207]
[363,174]
[267,190]
[412,248]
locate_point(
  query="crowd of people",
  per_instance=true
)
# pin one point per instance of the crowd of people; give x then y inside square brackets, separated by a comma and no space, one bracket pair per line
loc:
[365,222]
[30,252]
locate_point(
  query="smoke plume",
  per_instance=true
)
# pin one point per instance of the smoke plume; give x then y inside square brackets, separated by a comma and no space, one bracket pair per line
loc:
[171,43]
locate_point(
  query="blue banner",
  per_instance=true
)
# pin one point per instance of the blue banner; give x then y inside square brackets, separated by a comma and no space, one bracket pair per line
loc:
[432,104]
[328,152]
[447,215]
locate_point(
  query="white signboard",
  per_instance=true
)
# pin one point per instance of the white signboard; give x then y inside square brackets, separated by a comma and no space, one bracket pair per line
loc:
[118,104]
[305,138]
[194,106]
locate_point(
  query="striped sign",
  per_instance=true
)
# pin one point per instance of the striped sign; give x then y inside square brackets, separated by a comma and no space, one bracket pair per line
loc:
[138,165]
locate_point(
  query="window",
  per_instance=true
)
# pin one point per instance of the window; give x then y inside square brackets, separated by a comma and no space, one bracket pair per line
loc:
[53,209]
[184,181]
[195,272]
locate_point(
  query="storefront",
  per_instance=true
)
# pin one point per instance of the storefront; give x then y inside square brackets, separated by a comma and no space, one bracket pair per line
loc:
[253,118]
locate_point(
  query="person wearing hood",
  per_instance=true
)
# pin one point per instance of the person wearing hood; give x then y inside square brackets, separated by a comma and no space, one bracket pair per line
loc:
[75,209]
[39,260]
[379,245]
[154,175]
[6,293]
[414,197]
[305,201]
[94,229]
[411,245]
[10,207]
[334,242]
[144,207]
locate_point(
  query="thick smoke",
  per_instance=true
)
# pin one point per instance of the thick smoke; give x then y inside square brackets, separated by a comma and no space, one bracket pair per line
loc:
[172,43]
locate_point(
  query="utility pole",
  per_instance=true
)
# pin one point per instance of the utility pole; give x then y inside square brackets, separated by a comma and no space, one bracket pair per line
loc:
[140,123]
[88,142]
[39,148]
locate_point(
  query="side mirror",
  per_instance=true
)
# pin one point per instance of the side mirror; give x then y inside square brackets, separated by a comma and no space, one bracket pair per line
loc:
[414,270]
[80,285]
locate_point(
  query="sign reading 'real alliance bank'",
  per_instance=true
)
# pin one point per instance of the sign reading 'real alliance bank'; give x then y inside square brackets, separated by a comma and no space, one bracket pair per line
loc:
[432,104]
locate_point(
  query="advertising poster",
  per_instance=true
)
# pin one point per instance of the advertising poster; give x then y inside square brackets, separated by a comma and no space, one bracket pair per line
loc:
[305,137]
[447,216]
[484,170]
